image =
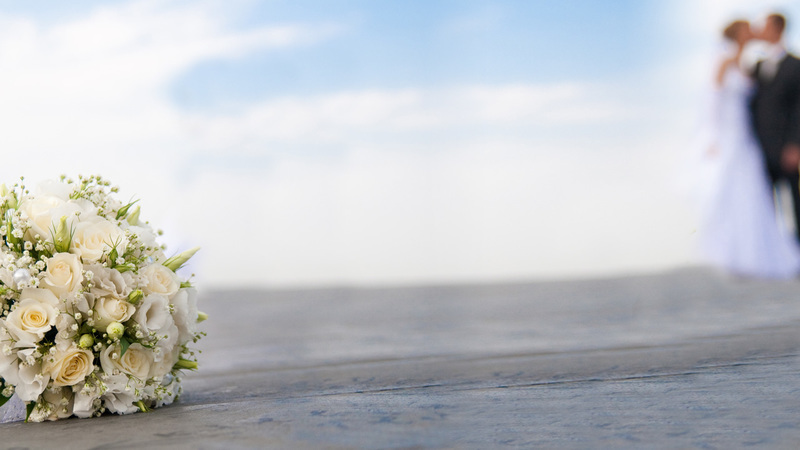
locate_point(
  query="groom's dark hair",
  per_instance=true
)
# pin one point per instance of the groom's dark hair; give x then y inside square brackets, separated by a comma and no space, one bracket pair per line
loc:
[779,20]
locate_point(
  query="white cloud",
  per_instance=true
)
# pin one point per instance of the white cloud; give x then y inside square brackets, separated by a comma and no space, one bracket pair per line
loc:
[89,94]
[460,182]
[341,115]
[505,182]
[100,80]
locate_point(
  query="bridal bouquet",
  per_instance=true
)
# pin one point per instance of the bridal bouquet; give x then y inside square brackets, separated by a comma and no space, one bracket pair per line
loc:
[93,317]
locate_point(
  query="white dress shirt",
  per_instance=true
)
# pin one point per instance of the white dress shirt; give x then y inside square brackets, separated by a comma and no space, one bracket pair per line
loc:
[774,54]
[769,55]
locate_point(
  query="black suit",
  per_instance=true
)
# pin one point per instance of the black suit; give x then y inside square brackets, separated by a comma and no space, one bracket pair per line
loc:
[775,109]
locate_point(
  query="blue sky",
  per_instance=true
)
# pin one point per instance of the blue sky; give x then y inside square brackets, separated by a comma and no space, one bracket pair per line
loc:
[365,142]
[428,44]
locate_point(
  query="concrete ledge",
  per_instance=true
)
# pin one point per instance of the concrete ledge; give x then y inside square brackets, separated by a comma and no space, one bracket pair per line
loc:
[680,359]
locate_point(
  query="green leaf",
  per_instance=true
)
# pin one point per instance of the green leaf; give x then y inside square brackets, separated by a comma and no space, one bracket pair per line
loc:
[124,344]
[29,409]
[142,407]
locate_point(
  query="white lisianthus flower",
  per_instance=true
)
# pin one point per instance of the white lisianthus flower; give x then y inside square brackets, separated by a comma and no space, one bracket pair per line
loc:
[110,282]
[67,328]
[9,361]
[95,237]
[168,338]
[162,394]
[111,309]
[160,280]
[33,316]
[119,397]
[85,402]
[135,362]
[145,233]
[152,314]
[61,401]
[173,390]
[165,364]
[6,276]
[32,382]
[63,275]
[185,313]
[80,303]
[69,367]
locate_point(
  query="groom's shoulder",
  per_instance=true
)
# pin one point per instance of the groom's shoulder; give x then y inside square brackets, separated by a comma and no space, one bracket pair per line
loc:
[793,61]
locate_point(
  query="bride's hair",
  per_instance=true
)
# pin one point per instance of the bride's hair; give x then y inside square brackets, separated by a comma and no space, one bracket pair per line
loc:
[733,28]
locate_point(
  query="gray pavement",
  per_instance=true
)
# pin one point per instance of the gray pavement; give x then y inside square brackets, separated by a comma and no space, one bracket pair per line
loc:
[683,359]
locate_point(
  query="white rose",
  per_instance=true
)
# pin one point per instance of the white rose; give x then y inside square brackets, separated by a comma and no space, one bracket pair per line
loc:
[160,280]
[69,367]
[45,212]
[32,316]
[185,313]
[95,237]
[135,362]
[111,309]
[63,275]
[39,210]
[55,188]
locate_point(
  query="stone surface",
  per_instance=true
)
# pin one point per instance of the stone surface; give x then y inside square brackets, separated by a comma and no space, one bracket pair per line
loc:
[679,360]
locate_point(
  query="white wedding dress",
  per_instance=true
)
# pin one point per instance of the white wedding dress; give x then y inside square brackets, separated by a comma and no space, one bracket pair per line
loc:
[738,230]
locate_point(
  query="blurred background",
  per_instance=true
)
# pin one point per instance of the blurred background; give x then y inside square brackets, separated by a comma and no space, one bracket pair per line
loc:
[307,143]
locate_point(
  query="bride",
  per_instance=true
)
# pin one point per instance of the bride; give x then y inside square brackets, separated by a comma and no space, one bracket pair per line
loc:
[739,231]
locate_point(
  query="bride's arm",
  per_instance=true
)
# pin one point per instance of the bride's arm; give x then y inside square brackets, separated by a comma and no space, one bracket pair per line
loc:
[712,107]
[723,67]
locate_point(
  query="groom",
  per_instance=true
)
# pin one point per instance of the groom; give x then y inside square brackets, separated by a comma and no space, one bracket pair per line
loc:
[775,109]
